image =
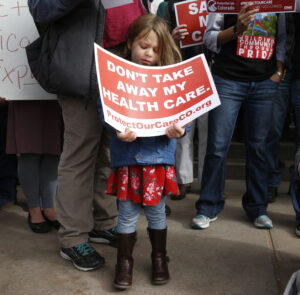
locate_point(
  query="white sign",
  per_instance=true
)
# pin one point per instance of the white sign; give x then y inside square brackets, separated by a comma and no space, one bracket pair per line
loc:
[17,30]
[115,3]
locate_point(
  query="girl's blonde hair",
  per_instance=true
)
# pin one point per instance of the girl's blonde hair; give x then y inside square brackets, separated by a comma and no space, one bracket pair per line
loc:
[168,52]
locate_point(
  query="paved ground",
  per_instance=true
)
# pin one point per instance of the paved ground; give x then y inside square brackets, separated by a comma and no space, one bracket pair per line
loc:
[229,258]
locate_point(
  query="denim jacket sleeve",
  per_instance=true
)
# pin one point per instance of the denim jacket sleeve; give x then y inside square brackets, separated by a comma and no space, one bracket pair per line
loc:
[45,11]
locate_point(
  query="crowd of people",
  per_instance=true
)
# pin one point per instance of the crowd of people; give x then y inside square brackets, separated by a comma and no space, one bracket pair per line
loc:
[68,153]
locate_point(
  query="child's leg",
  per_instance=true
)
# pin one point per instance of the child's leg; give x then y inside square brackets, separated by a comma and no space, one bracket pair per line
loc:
[128,215]
[158,236]
[156,215]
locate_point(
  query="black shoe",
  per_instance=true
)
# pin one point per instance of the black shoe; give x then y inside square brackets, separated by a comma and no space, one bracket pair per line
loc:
[272,194]
[183,190]
[167,210]
[40,228]
[54,223]
[104,237]
[83,256]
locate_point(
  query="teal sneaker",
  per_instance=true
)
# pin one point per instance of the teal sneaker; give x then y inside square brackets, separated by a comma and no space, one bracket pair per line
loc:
[83,256]
[104,237]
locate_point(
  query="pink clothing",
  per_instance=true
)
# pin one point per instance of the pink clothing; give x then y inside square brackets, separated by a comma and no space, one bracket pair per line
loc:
[118,21]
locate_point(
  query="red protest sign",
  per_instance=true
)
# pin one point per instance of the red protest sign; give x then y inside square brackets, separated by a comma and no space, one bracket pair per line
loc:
[234,6]
[193,14]
[150,99]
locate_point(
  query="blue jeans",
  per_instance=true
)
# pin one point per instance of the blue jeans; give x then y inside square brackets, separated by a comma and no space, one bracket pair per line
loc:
[129,213]
[257,98]
[296,103]
[280,110]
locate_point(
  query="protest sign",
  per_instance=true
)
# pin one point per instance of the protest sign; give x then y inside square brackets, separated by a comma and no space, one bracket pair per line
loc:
[193,14]
[149,99]
[17,31]
[234,6]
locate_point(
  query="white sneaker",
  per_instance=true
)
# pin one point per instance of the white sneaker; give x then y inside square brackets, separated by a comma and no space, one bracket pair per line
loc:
[263,221]
[202,221]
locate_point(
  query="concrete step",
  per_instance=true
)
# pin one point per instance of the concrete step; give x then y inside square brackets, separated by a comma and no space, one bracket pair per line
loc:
[235,169]
[287,151]
[236,160]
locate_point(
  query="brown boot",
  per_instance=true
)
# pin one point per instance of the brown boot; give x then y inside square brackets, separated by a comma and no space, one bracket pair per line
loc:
[124,266]
[160,272]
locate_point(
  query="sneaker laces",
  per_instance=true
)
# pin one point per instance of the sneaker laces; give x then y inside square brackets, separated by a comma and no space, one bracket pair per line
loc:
[84,249]
[113,230]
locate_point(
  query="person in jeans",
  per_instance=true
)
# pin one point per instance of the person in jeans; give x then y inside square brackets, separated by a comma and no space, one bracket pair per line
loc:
[295,185]
[185,146]
[83,209]
[280,110]
[249,76]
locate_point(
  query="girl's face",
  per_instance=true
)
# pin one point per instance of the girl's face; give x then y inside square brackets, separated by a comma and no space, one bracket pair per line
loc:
[144,50]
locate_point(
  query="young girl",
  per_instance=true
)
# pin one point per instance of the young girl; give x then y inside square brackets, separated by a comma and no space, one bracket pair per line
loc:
[143,167]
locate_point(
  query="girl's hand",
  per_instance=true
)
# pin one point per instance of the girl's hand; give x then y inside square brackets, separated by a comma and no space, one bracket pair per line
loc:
[179,33]
[175,131]
[127,136]
[245,17]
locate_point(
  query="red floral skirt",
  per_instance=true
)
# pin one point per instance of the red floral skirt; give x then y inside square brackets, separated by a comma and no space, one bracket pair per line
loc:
[143,184]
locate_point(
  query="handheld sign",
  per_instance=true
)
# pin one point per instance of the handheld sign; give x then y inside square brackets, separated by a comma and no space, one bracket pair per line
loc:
[234,6]
[193,14]
[17,31]
[149,99]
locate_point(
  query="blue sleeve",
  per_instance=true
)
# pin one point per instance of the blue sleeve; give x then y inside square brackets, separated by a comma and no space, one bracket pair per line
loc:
[45,11]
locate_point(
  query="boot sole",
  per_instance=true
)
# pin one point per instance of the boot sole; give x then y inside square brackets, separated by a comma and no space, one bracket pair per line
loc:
[121,286]
[160,282]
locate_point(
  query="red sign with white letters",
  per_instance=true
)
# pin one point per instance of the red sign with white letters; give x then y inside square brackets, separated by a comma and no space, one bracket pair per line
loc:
[149,99]
[234,6]
[193,14]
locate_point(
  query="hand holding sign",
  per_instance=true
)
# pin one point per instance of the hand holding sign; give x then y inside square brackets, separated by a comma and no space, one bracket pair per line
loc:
[245,17]
[179,33]
[127,136]
[175,131]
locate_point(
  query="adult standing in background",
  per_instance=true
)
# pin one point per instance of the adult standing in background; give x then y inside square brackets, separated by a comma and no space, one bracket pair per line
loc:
[8,163]
[184,156]
[242,76]
[34,132]
[84,210]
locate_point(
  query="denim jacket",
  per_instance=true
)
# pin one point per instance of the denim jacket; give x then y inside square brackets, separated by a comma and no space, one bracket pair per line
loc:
[143,150]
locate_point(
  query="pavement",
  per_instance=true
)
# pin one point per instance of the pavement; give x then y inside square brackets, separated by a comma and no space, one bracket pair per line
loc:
[231,257]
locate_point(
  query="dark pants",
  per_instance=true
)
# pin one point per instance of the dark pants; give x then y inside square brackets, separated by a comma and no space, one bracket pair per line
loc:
[8,164]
